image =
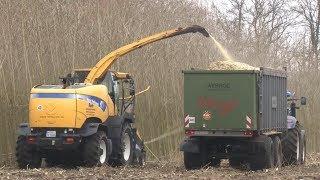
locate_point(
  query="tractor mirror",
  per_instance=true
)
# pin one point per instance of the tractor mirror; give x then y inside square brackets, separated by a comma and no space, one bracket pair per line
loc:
[303,100]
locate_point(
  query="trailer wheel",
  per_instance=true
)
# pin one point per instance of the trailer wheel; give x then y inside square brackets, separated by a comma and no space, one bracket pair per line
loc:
[27,156]
[235,162]
[291,146]
[192,160]
[269,153]
[215,162]
[95,149]
[265,159]
[278,154]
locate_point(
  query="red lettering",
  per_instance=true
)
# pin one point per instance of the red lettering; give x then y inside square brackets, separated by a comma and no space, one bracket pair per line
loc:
[223,107]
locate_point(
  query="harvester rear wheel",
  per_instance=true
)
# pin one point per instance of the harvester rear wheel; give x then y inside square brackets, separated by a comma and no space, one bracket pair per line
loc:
[53,160]
[27,156]
[278,154]
[95,149]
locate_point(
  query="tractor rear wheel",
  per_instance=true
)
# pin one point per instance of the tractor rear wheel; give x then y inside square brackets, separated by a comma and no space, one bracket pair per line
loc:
[303,146]
[27,156]
[95,149]
[292,146]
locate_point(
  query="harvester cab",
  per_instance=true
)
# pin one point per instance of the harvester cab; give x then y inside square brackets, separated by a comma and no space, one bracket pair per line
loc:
[90,117]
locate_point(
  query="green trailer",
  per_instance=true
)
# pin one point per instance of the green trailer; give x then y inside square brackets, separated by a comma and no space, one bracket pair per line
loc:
[245,116]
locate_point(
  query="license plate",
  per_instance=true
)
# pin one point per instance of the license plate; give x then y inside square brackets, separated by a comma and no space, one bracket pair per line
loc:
[51,134]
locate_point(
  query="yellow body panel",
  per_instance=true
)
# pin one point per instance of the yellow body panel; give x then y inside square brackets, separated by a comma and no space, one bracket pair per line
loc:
[69,108]
[54,106]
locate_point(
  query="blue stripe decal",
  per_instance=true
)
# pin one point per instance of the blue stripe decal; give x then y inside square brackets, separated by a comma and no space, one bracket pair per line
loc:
[54,95]
[93,100]
[90,99]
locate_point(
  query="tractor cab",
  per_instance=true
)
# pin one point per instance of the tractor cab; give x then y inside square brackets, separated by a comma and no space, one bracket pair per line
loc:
[292,103]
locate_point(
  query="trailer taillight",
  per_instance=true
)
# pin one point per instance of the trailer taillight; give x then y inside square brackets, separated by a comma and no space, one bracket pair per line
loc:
[189,132]
[248,133]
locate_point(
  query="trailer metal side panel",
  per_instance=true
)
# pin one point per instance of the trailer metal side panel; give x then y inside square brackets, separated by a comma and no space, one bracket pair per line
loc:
[273,101]
[235,100]
[220,100]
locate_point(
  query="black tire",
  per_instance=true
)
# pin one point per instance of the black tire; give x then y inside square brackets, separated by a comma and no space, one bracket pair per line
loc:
[92,154]
[264,159]
[27,156]
[215,162]
[192,160]
[52,160]
[142,158]
[269,153]
[278,154]
[125,157]
[291,146]
[303,148]
[235,162]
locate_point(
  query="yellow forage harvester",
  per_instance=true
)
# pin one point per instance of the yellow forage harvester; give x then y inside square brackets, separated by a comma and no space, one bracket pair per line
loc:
[89,118]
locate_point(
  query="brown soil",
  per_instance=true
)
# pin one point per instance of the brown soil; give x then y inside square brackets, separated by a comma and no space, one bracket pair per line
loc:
[153,170]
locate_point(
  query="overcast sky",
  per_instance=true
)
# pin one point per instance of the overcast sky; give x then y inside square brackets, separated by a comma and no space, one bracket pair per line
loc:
[224,5]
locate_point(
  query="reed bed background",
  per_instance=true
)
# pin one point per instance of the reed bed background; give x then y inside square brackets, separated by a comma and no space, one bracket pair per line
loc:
[42,40]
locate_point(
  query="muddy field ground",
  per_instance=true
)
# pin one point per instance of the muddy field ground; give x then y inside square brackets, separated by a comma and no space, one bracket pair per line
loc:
[166,170]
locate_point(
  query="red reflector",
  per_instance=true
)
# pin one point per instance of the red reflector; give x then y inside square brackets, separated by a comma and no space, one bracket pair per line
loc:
[248,133]
[31,139]
[189,132]
[69,140]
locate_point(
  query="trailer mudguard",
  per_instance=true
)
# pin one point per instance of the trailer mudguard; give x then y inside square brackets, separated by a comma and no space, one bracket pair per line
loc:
[190,145]
[24,129]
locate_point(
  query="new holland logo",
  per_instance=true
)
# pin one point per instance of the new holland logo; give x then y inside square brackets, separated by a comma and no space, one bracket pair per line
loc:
[206,115]
[39,107]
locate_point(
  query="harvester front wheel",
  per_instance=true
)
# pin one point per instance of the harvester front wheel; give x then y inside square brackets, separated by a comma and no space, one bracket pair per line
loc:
[27,156]
[126,146]
[95,149]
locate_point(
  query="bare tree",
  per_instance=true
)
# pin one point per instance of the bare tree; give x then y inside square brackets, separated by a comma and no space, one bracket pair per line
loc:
[309,10]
